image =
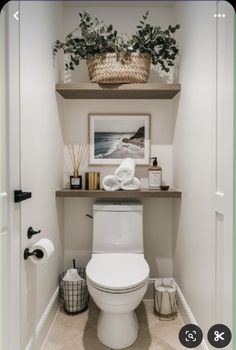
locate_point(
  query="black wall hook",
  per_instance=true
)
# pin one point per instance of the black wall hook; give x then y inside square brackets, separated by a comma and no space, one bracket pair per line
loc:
[31,232]
[20,196]
[37,252]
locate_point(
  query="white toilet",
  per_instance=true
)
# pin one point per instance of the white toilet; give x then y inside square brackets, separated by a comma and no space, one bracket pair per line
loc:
[117,274]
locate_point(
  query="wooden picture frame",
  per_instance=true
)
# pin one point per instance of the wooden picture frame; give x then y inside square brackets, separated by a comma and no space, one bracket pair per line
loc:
[113,137]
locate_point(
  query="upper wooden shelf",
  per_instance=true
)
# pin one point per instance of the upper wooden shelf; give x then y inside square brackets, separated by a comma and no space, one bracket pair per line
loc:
[118,91]
[143,193]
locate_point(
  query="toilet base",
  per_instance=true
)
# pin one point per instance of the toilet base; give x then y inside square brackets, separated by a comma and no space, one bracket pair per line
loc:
[117,330]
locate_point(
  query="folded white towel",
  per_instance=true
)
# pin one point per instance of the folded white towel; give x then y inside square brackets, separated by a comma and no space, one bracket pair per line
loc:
[72,276]
[126,170]
[110,183]
[131,185]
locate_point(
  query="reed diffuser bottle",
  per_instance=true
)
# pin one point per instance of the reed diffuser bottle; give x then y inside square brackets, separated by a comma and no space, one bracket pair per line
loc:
[76,153]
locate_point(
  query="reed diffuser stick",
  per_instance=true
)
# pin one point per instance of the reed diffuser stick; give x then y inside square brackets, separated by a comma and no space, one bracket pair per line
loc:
[76,153]
[71,156]
[80,155]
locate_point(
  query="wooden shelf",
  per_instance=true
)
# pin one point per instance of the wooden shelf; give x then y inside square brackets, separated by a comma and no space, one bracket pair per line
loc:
[143,193]
[118,91]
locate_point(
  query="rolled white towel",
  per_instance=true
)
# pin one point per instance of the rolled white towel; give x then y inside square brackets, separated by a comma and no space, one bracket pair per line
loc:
[126,170]
[110,183]
[131,185]
[72,276]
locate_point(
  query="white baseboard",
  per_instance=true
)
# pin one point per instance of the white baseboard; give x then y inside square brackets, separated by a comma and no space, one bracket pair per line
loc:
[41,330]
[187,314]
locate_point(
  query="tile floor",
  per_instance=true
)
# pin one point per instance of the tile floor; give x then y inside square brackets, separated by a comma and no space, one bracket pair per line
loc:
[79,332]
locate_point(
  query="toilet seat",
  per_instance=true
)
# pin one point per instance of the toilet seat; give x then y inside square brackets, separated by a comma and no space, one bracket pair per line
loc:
[116,291]
[117,272]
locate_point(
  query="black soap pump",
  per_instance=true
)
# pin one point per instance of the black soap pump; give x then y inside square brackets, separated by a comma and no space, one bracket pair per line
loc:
[155,174]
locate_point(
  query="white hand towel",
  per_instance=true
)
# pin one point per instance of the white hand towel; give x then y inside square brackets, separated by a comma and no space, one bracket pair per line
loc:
[110,183]
[72,276]
[131,185]
[126,170]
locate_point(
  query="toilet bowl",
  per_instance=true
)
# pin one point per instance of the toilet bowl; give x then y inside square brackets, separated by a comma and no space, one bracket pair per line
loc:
[117,283]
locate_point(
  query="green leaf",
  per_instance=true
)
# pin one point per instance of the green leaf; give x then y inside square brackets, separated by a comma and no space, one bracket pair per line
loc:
[109,28]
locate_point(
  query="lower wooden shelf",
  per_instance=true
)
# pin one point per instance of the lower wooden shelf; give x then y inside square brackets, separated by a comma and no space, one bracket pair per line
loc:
[143,193]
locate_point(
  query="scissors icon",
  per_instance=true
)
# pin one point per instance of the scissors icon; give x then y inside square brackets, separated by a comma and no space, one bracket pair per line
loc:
[218,336]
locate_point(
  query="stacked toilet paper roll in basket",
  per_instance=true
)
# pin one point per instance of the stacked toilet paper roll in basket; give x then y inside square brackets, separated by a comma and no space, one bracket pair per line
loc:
[123,178]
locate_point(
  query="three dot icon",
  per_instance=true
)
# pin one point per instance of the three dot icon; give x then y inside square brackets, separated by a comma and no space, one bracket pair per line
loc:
[219,15]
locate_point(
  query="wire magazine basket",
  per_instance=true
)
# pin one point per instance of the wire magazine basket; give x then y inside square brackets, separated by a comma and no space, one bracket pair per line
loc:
[74,295]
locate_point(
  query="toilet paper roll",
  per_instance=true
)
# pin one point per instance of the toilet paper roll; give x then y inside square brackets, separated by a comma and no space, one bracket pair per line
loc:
[46,246]
[165,296]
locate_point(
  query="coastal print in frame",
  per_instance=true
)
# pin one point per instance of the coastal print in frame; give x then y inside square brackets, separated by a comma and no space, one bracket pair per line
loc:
[113,137]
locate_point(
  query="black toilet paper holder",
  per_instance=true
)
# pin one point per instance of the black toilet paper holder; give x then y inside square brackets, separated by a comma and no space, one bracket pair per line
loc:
[38,253]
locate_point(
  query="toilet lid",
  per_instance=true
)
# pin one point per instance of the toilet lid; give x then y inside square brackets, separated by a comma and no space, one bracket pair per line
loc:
[117,271]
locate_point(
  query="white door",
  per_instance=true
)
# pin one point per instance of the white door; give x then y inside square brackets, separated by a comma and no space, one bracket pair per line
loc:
[10,180]
[41,165]
[224,166]
[3,199]
[34,163]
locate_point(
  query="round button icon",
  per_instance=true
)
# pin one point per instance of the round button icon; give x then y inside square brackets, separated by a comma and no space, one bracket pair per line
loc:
[219,336]
[190,336]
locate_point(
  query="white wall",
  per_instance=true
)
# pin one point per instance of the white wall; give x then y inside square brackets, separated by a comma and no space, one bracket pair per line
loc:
[157,213]
[197,140]
[41,164]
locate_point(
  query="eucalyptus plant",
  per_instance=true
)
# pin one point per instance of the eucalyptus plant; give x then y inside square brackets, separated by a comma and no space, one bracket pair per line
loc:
[95,37]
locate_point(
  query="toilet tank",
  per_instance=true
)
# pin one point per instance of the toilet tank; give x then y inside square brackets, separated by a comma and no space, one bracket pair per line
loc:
[118,227]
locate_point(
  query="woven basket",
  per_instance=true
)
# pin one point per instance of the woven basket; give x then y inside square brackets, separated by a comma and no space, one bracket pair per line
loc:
[111,68]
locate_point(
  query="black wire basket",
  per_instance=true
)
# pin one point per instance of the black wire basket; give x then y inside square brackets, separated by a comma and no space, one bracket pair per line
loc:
[74,296]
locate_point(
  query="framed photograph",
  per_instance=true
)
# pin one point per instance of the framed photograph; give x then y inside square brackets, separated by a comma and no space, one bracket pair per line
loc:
[113,137]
